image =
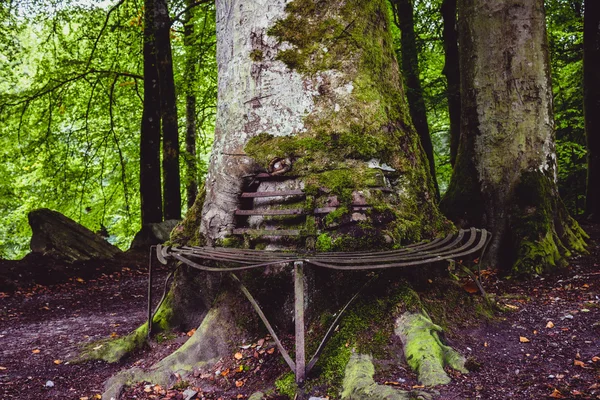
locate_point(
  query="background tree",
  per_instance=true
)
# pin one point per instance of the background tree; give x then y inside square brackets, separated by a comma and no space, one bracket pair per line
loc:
[591,101]
[168,112]
[504,177]
[452,73]
[409,55]
[150,184]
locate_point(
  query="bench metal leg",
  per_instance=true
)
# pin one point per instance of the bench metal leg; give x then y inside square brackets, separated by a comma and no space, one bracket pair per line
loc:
[299,320]
[150,292]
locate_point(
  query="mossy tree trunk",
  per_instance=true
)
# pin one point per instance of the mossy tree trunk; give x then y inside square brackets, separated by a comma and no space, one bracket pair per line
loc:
[591,103]
[317,86]
[505,173]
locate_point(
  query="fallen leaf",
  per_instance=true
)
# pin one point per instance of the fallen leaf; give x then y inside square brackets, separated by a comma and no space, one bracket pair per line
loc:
[391,383]
[556,395]
[576,393]
[241,368]
[57,362]
[3,368]
[240,396]
[594,386]
[238,356]
[511,306]
[190,333]
[271,350]
[225,373]
[98,347]
[239,383]
[114,335]
[523,339]
[579,363]
[595,359]
[36,351]
[470,287]
[80,280]
[578,356]
[550,325]
[485,344]
[98,396]
[418,386]
[260,342]
[84,398]
[535,332]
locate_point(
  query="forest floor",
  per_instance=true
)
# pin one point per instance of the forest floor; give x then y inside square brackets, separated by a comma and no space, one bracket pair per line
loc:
[545,344]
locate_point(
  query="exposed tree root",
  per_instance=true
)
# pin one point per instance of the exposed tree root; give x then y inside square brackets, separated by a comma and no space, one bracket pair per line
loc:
[424,351]
[210,343]
[359,384]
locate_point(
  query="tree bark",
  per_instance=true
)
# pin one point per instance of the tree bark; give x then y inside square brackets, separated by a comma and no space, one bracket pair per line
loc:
[505,173]
[150,188]
[591,103]
[403,10]
[190,106]
[168,106]
[452,72]
[326,96]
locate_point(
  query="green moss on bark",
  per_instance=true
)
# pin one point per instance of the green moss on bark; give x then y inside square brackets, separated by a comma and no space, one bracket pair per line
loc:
[187,232]
[543,234]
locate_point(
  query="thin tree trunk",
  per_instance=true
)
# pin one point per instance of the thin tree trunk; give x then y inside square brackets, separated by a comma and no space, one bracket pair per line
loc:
[150,189]
[168,104]
[591,101]
[452,72]
[190,106]
[505,173]
[403,10]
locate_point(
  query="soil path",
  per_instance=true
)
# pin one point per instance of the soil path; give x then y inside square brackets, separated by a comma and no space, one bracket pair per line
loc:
[546,344]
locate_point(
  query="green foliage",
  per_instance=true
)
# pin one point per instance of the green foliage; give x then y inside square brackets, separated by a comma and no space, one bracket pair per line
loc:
[565,34]
[71,89]
[286,384]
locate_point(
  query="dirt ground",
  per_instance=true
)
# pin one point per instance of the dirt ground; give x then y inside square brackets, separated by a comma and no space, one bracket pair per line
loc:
[545,344]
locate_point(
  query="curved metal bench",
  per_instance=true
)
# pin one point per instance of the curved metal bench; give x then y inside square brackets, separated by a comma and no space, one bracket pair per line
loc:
[231,260]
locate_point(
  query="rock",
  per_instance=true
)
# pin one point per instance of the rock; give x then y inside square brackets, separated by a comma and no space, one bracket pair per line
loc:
[257,396]
[151,234]
[189,394]
[49,384]
[64,239]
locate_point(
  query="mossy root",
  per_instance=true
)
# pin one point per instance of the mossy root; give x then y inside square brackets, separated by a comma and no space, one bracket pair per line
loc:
[208,344]
[424,351]
[359,384]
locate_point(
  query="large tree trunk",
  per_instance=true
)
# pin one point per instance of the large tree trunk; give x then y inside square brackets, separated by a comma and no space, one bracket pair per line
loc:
[168,108]
[403,10]
[452,72]
[591,103]
[505,173]
[189,40]
[325,95]
[150,189]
